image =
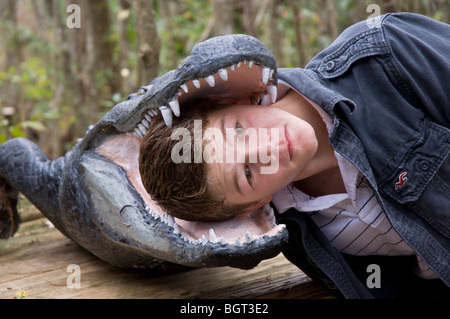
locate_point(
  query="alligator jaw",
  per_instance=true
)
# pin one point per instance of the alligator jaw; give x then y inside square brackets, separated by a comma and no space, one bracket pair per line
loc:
[246,82]
[241,235]
[229,69]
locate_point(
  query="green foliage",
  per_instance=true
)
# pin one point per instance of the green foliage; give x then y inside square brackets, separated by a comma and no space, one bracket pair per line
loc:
[30,86]
[35,84]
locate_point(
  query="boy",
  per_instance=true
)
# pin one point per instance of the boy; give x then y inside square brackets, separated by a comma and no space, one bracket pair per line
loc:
[361,140]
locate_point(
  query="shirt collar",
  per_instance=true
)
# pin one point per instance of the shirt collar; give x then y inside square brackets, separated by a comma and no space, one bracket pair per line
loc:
[290,197]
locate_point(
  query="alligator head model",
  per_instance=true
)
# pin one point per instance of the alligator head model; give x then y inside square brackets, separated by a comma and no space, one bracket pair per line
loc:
[94,194]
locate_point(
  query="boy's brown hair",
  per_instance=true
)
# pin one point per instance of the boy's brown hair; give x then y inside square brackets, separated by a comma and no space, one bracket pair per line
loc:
[181,189]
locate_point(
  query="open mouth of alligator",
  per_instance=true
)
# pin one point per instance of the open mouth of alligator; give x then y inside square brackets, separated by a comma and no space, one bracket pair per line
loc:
[243,82]
[246,82]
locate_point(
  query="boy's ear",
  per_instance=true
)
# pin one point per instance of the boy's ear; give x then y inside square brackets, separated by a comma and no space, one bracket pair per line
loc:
[258,204]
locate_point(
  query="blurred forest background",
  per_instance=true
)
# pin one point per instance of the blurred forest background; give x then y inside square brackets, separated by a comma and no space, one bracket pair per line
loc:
[55,80]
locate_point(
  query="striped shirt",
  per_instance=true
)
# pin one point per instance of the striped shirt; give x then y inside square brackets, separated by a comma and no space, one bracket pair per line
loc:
[354,222]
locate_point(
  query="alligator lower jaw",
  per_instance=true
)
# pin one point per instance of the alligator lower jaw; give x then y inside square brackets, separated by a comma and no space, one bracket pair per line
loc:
[123,150]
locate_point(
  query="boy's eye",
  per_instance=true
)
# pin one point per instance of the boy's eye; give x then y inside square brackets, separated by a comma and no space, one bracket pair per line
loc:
[239,130]
[248,174]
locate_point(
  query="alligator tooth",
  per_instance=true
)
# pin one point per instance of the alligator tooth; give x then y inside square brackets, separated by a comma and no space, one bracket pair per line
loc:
[237,242]
[222,240]
[148,117]
[250,64]
[212,236]
[238,65]
[248,237]
[138,133]
[184,87]
[223,74]
[271,73]
[153,112]
[265,75]
[196,83]
[272,215]
[175,106]
[210,80]
[232,67]
[152,213]
[203,239]
[170,220]
[261,97]
[166,114]
[272,92]
[142,129]
[176,229]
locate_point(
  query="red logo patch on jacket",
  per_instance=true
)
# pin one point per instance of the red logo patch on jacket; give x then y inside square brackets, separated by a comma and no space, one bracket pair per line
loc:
[402,179]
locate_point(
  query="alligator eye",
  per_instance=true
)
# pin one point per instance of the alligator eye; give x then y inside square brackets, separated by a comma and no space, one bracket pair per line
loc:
[141,91]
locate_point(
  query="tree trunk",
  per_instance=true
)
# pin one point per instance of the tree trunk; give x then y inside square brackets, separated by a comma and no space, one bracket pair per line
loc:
[124,13]
[248,16]
[274,33]
[84,105]
[148,42]
[13,59]
[295,6]
[223,17]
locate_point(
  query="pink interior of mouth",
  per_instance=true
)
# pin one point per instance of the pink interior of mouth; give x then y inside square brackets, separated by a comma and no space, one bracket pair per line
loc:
[124,151]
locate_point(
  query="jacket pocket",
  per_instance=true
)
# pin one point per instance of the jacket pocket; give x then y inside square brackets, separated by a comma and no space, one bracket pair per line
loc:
[422,181]
[434,202]
[364,44]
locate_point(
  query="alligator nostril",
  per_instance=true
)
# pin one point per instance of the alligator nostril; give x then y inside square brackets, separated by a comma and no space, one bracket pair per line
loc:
[141,91]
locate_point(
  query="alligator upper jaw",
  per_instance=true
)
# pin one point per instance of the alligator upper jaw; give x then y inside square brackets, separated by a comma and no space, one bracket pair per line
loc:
[245,82]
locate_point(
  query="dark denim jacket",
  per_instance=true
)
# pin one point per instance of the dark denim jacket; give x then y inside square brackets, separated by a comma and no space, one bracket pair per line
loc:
[388,92]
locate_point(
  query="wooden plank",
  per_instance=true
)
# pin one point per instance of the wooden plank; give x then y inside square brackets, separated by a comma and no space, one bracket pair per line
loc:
[36,260]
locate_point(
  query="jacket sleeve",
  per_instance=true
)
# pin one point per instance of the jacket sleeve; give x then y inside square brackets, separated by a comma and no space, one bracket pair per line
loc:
[420,47]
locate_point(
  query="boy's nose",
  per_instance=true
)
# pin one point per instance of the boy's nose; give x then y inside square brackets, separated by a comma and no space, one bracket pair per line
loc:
[258,148]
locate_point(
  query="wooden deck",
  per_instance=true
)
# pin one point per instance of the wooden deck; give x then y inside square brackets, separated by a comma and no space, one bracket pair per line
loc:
[34,263]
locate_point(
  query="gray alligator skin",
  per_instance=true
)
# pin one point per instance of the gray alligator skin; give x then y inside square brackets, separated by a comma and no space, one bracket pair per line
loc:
[94,194]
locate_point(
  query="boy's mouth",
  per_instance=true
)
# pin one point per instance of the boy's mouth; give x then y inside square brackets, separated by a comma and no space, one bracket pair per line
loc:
[289,143]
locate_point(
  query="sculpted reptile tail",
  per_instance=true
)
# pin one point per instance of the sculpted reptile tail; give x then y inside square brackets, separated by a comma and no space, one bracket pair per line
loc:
[25,168]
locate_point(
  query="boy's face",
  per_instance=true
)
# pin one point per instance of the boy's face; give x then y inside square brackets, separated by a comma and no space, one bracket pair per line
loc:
[257,150]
